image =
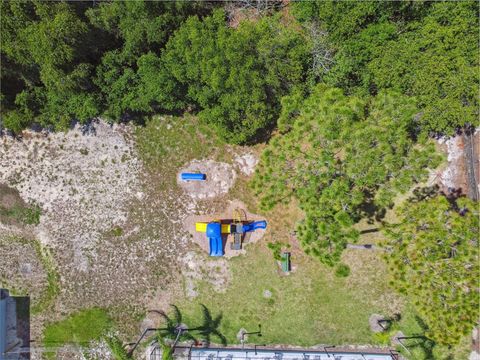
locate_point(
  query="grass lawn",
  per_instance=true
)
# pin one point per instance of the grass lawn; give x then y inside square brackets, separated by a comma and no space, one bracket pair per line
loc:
[78,328]
[311,306]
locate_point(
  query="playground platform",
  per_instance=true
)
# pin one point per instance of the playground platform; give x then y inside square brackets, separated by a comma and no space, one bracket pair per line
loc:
[225,217]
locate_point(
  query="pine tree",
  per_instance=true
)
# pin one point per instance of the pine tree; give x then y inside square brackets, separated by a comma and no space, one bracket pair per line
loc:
[434,261]
[343,160]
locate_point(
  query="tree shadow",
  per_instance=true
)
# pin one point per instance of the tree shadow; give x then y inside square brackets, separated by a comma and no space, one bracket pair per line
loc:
[175,329]
[210,326]
[371,211]
[420,341]
[424,193]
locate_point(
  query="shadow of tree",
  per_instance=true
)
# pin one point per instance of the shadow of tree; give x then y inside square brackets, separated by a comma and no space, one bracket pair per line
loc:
[420,341]
[175,329]
[210,326]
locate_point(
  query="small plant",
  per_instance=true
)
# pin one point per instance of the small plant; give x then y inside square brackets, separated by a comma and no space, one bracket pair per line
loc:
[116,231]
[84,151]
[167,351]
[116,347]
[342,270]
[27,215]
[276,248]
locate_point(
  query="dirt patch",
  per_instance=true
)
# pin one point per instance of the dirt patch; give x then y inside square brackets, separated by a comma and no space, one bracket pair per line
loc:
[246,163]
[9,197]
[198,267]
[460,175]
[220,177]
[22,270]
[225,216]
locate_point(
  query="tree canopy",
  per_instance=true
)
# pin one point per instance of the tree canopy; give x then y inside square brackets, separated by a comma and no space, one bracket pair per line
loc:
[343,159]
[236,77]
[427,50]
[434,260]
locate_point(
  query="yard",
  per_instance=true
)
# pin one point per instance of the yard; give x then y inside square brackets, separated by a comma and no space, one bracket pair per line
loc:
[141,258]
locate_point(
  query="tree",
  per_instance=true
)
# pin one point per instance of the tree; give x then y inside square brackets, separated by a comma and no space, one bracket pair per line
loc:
[46,43]
[434,261]
[343,160]
[436,61]
[141,29]
[235,77]
[423,49]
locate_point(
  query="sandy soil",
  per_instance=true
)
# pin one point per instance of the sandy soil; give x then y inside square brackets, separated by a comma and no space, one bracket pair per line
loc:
[453,176]
[117,237]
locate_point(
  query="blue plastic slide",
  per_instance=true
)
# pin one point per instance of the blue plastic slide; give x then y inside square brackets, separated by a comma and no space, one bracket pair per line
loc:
[254,226]
[214,235]
[194,176]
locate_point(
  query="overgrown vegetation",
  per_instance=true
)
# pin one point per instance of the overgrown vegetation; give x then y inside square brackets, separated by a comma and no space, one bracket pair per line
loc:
[276,248]
[117,347]
[428,50]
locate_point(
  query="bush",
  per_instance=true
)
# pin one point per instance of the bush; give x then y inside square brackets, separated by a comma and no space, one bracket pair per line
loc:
[342,270]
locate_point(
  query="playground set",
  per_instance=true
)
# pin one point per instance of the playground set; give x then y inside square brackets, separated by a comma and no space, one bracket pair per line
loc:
[217,230]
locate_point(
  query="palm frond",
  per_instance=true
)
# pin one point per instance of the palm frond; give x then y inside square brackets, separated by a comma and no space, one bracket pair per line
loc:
[177,314]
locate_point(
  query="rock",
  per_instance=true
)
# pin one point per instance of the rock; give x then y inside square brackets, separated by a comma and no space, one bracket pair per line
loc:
[241,336]
[246,163]
[375,324]
[394,339]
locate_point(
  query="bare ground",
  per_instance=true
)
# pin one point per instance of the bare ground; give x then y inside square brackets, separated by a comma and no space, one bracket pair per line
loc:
[115,230]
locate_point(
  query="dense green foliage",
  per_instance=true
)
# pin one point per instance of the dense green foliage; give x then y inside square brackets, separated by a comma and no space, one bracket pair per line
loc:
[428,50]
[236,77]
[434,260]
[65,61]
[47,75]
[343,160]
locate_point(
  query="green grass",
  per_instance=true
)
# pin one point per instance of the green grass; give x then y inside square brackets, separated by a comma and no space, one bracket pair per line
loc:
[310,306]
[79,328]
[25,215]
